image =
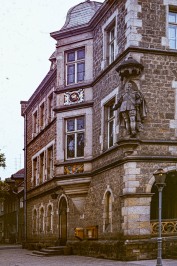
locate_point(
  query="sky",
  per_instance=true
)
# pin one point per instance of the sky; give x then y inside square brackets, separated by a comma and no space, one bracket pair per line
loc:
[25,47]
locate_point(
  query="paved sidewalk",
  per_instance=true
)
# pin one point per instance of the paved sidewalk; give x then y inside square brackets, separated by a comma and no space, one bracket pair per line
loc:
[15,256]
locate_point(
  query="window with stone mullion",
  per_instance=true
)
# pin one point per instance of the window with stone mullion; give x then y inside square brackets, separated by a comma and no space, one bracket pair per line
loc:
[75,66]
[75,137]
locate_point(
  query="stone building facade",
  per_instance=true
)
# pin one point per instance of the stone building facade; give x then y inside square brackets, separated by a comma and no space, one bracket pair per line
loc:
[99,125]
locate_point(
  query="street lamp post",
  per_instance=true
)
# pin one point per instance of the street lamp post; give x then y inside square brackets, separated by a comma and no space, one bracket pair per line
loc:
[160,176]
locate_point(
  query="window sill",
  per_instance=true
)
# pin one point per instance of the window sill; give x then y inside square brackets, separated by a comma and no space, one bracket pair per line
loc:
[75,86]
[72,161]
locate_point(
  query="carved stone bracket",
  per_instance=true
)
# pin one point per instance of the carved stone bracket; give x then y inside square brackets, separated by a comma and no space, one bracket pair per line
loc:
[128,145]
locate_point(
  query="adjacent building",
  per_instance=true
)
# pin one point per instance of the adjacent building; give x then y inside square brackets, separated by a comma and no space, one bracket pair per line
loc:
[11,208]
[98,126]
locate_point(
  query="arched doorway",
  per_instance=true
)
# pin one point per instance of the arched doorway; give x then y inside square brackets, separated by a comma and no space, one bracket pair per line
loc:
[63,221]
[169,198]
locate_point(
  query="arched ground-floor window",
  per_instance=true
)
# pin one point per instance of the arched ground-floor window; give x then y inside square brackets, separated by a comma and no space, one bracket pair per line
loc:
[63,221]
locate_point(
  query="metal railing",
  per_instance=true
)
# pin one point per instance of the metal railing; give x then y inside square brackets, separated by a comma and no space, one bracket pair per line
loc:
[168,227]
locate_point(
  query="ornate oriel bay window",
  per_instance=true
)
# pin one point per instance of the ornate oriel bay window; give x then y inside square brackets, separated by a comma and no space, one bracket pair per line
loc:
[75,128]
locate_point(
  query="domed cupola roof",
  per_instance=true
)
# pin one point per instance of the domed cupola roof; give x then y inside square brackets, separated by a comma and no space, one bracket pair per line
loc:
[81,14]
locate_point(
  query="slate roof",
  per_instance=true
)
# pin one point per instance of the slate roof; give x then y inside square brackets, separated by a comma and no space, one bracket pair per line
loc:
[81,14]
[19,174]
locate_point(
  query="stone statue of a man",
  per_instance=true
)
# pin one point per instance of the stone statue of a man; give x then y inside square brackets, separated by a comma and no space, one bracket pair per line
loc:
[132,109]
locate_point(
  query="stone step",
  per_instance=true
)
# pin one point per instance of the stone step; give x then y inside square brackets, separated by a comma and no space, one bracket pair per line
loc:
[54,251]
[40,253]
[57,247]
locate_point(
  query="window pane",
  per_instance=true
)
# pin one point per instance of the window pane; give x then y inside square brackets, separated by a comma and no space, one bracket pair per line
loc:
[80,123]
[112,34]
[111,112]
[172,44]
[172,17]
[172,32]
[70,125]
[70,74]
[80,71]
[173,37]
[70,146]
[80,144]
[111,52]
[71,57]
[81,54]
[111,128]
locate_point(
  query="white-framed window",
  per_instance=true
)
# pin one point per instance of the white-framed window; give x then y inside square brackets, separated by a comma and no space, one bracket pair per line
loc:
[172,29]
[111,44]
[50,164]
[110,124]
[42,116]
[43,164]
[42,167]
[35,172]
[50,105]
[75,130]
[75,66]
[35,122]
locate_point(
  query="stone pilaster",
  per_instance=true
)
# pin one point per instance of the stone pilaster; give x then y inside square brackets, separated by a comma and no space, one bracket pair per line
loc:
[133,23]
[136,215]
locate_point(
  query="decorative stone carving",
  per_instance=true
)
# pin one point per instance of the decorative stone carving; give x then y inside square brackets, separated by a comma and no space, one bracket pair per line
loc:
[132,109]
[74,97]
[129,67]
[73,169]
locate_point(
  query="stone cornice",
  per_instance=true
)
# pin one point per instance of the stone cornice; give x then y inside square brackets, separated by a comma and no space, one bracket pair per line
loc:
[67,33]
[70,162]
[73,107]
[136,195]
[132,158]
[74,87]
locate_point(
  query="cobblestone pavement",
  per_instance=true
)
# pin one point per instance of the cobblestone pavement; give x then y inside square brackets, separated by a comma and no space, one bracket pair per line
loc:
[22,257]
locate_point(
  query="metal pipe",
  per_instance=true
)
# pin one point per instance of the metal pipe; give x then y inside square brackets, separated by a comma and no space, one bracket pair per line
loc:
[159,239]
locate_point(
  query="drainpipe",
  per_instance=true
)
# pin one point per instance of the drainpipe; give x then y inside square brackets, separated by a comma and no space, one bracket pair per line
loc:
[25,177]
